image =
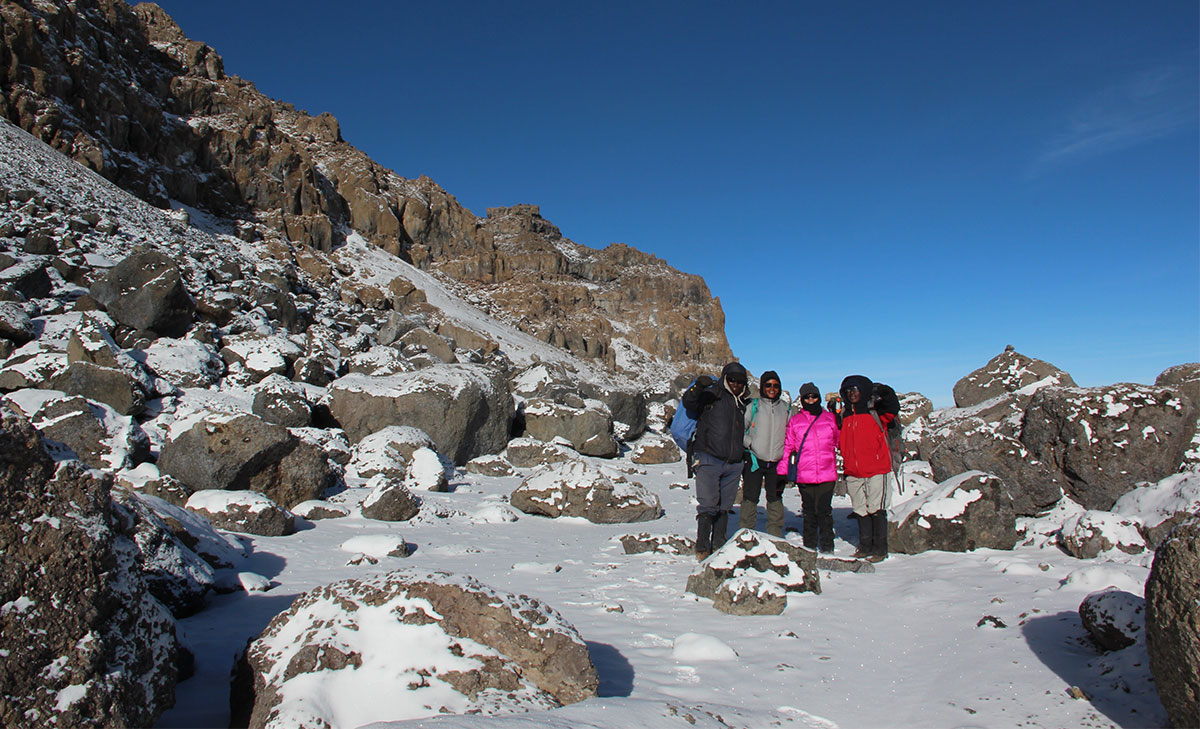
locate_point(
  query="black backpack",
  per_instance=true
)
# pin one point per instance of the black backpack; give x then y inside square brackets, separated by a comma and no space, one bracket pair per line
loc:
[884,400]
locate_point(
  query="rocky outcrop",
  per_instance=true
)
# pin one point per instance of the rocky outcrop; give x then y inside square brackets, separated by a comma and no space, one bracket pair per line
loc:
[248,512]
[105,650]
[1114,618]
[586,424]
[1007,372]
[575,488]
[1044,440]
[1106,440]
[752,573]
[661,543]
[145,291]
[247,453]
[389,500]
[971,511]
[461,407]
[1173,623]
[480,650]
[1091,533]
[123,91]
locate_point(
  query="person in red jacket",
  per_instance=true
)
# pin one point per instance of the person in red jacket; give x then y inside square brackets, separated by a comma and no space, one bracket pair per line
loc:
[866,461]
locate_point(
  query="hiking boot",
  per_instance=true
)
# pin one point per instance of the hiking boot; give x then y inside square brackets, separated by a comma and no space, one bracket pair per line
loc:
[876,558]
[701,556]
[866,536]
[775,518]
[720,526]
[704,530]
[748,515]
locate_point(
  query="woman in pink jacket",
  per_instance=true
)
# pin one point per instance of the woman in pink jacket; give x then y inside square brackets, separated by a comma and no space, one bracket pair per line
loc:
[810,461]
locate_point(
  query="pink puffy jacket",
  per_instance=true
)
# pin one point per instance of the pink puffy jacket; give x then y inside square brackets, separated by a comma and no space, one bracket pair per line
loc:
[817,463]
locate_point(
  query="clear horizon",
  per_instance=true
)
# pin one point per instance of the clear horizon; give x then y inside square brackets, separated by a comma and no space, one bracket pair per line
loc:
[893,191]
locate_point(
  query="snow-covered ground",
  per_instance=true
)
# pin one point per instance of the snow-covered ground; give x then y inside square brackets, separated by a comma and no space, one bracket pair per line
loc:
[984,639]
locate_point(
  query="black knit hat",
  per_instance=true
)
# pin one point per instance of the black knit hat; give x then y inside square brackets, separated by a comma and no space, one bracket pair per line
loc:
[767,377]
[734,372]
[809,388]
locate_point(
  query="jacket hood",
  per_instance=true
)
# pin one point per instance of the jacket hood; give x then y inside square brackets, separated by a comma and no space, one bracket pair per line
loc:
[809,388]
[734,371]
[767,377]
[864,386]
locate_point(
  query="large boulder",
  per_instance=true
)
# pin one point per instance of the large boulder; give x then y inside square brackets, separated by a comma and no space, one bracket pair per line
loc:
[975,444]
[15,324]
[460,406]
[1185,378]
[93,432]
[970,511]
[752,573]
[247,453]
[1089,534]
[586,424]
[1008,371]
[389,500]
[655,448]
[1106,440]
[83,640]
[420,643]
[185,362]
[248,512]
[388,451]
[37,364]
[1173,623]
[283,402]
[1162,506]
[1114,618]
[576,488]
[174,573]
[531,453]
[146,291]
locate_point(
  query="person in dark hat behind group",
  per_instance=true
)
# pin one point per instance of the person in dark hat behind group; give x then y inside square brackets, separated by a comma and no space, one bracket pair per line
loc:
[719,452]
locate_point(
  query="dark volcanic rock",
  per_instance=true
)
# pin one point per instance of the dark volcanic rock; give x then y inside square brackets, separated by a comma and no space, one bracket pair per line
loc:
[105,651]
[971,511]
[1173,623]
[146,291]
[1106,440]
[536,659]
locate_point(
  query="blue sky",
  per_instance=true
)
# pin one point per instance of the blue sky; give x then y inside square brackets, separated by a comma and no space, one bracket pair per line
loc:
[891,189]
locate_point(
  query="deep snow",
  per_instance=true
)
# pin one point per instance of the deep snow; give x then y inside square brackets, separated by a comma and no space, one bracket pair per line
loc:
[984,639]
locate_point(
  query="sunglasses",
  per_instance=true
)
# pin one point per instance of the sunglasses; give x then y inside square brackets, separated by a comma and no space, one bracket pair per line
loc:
[771,386]
[812,397]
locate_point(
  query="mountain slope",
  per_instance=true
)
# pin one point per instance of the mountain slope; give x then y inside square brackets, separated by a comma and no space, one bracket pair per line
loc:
[124,92]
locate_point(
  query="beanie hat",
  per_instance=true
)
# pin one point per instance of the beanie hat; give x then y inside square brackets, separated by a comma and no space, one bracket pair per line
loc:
[734,372]
[809,388]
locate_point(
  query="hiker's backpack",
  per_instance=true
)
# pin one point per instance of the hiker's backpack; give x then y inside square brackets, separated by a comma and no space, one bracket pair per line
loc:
[683,424]
[885,400]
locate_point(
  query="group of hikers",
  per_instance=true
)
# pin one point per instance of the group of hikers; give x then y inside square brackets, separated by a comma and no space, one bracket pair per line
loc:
[762,445]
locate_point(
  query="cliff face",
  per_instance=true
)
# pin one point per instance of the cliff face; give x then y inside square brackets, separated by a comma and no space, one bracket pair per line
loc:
[124,92]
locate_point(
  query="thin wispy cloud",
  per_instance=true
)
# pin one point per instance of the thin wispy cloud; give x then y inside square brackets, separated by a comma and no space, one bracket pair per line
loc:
[1137,110]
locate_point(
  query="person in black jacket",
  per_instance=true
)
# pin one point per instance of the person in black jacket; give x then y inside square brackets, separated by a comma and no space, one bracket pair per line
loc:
[718,453]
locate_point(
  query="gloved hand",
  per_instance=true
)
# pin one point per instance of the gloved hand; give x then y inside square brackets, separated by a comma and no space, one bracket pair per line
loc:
[704,381]
[833,402]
